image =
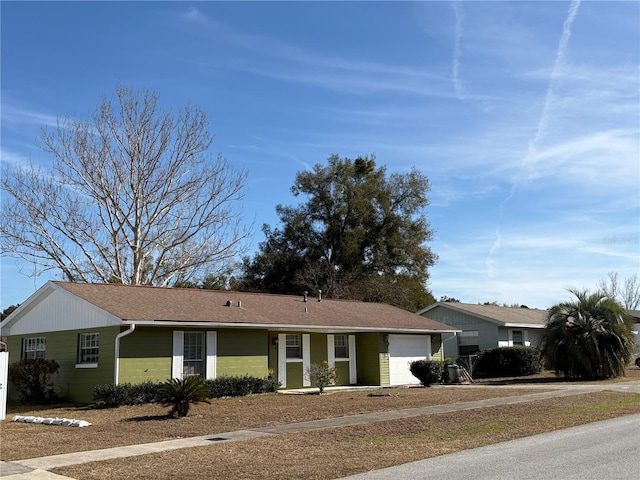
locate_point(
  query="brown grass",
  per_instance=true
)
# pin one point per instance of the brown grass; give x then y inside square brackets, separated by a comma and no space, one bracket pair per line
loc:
[148,423]
[328,453]
[337,452]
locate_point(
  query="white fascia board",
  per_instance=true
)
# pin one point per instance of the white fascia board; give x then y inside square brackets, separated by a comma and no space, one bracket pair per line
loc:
[283,327]
[524,325]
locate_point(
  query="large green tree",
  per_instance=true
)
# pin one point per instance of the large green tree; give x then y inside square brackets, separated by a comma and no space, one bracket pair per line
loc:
[588,338]
[358,234]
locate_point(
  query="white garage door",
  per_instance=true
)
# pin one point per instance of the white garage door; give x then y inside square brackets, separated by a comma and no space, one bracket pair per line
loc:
[404,349]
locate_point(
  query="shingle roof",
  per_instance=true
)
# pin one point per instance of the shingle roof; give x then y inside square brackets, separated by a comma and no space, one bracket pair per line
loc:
[504,315]
[158,304]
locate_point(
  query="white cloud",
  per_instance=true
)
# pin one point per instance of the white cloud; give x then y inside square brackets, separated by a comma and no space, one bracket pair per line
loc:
[15,114]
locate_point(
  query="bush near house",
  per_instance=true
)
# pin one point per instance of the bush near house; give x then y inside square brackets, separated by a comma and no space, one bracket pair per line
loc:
[228,386]
[32,378]
[508,362]
[427,371]
[111,396]
[322,375]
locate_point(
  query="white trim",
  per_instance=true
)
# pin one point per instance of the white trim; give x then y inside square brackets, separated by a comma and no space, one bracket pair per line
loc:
[116,372]
[331,350]
[428,347]
[306,359]
[4,375]
[86,365]
[282,359]
[353,372]
[286,327]
[178,354]
[510,332]
[212,354]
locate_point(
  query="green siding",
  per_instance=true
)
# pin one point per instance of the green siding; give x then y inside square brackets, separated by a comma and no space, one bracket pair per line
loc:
[145,355]
[75,384]
[294,375]
[242,352]
[369,358]
[342,369]
[318,344]
[273,354]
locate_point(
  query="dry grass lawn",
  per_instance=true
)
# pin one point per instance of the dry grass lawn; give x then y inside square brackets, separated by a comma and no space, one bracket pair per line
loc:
[148,423]
[337,452]
[321,454]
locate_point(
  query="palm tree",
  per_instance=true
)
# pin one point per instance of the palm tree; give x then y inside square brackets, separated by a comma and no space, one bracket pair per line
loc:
[179,394]
[588,338]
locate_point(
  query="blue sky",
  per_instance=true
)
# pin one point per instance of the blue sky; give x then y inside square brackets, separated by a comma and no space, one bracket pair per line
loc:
[525,116]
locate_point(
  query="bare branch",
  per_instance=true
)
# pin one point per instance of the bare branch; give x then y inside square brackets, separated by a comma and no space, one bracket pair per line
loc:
[133,196]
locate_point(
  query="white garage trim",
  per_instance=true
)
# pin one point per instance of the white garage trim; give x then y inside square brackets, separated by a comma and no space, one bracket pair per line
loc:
[404,349]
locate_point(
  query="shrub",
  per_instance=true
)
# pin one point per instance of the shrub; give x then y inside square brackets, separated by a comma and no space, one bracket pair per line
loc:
[427,371]
[32,378]
[110,395]
[322,375]
[508,362]
[179,394]
[228,386]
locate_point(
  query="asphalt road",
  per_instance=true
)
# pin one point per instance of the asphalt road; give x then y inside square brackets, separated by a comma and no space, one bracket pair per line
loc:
[602,450]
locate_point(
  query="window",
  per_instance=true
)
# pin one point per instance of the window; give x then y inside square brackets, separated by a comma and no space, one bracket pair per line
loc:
[341,346]
[193,354]
[294,346]
[88,348]
[468,342]
[517,337]
[34,347]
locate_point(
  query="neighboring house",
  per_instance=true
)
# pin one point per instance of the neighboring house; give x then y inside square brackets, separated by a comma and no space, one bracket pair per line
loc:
[635,315]
[109,333]
[486,326]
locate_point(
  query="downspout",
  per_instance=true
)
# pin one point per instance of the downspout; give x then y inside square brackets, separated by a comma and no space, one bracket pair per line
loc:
[116,373]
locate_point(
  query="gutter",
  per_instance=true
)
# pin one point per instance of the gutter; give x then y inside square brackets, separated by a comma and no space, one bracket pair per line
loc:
[288,327]
[116,373]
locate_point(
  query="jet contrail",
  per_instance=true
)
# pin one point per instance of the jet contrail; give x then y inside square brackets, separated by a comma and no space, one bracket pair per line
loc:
[542,123]
[457,85]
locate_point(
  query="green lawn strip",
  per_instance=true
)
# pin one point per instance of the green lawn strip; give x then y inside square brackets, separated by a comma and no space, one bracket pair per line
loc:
[337,452]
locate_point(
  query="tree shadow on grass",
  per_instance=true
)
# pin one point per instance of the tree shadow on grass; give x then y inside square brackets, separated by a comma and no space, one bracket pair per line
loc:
[148,418]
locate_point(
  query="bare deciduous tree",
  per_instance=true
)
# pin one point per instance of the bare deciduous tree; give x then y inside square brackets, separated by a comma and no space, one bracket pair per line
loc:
[627,291]
[134,196]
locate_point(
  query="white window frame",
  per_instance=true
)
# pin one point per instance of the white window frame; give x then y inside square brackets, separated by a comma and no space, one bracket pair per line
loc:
[198,348]
[87,343]
[211,349]
[513,342]
[344,339]
[34,347]
[283,360]
[294,341]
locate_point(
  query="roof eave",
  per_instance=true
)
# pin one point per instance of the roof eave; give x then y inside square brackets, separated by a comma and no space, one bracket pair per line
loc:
[286,326]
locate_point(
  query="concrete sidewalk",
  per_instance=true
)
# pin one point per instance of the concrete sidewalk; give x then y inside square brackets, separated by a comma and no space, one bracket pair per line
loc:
[36,468]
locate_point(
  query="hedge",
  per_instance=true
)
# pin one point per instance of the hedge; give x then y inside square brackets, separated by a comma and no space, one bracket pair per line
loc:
[508,362]
[110,395]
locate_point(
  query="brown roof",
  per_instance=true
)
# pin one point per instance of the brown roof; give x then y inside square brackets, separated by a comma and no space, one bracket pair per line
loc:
[504,315]
[157,304]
